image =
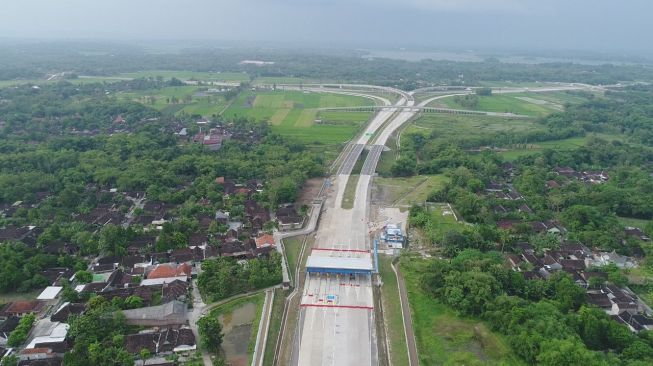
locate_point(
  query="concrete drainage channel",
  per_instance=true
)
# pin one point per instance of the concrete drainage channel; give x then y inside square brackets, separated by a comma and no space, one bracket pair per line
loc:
[263,327]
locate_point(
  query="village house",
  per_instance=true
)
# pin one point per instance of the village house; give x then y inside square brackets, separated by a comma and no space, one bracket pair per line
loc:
[22,307]
[173,313]
[289,219]
[575,260]
[164,341]
[67,309]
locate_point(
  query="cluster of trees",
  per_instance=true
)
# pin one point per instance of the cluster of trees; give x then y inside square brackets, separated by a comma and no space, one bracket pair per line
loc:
[148,161]
[223,277]
[98,336]
[21,267]
[19,335]
[546,322]
[469,101]
[210,331]
[37,114]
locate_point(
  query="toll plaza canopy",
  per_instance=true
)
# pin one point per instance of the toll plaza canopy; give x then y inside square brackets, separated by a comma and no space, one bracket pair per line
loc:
[340,265]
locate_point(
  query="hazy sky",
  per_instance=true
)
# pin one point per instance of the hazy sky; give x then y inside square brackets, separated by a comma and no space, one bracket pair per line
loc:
[610,25]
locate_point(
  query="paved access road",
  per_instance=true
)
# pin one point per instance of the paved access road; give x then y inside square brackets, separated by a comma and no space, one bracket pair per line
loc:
[337,311]
[336,324]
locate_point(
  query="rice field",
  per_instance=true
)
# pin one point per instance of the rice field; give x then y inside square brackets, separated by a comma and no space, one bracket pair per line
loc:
[297,114]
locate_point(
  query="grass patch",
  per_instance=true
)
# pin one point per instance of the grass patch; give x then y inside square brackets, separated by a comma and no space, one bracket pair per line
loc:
[451,127]
[343,117]
[6,298]
[503,103]
[278,80]
[411,190]
[442,336]
[384,166]
[630,221]
[557,97]
[160,98]
[645,292]
[205,106]
[293,247]
[441,221]
[392,313]
[559,145]
[275,326]
[350,192]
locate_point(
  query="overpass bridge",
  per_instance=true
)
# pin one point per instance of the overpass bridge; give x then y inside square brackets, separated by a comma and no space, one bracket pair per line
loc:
[422,109]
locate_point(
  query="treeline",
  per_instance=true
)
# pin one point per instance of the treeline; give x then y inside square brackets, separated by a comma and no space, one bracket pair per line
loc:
[224,277]
[626,113]
[151,162]
[98,336]
[21,267]
[546,322]
[37,60]
[39,113]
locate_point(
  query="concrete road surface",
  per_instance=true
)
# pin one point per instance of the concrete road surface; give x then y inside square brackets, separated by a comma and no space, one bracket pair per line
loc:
[337,316]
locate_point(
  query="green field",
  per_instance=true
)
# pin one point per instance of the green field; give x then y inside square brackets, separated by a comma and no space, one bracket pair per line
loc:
[557,97]
[292,248]
[452,126]
[442,220]
[444,338]
[205,106]
[296,114]
[411,190]
[189,75]
[505,104]
[560,145]
[392,313]
[187,101]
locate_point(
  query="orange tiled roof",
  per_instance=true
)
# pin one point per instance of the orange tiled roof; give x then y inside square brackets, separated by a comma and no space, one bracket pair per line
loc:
[170,270]
[265,240]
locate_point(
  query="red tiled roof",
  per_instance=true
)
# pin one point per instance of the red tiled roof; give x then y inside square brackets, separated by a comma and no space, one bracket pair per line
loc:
[20,307]
[170,270]
[35,350]
[265,240]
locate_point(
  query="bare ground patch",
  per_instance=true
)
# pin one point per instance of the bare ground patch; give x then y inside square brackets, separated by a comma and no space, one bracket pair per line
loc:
[309,191]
